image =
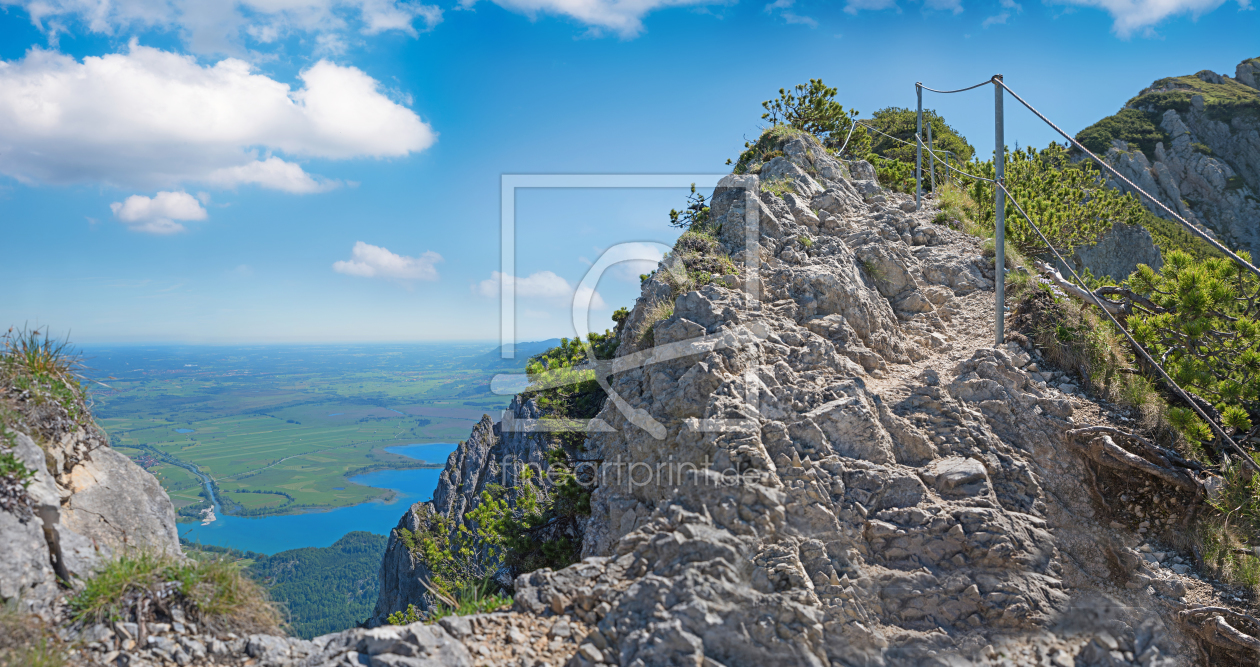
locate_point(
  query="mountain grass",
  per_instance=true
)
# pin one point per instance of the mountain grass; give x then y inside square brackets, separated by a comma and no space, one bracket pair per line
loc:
[215,591]
[1221,101]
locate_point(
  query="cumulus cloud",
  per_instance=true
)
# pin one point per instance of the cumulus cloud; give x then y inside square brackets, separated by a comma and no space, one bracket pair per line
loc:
[157,214]
[623,17]
[370,261]
[1133,15]
[542,286]
[225,27]
[149,118]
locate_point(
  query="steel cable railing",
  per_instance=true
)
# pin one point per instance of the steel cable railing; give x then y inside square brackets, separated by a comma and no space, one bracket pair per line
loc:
[1193,229]
[960,90]
[1097,300]
[1182,393]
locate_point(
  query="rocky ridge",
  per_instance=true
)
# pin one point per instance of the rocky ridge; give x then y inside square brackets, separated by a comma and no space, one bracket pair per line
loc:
[85,503]
[854,475]
[858,477]
[1209,170]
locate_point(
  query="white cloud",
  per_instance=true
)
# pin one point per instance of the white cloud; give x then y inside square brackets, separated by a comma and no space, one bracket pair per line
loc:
[272,173]
[543,286]
[370,261]
[149,118]
[1132,15]
[157,215]
[623,17]
[648,257]
[226,27]
[784,10]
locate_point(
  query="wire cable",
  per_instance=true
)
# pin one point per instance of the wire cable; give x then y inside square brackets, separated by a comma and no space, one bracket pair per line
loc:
[1191,228]
[852,126]
[1220,432]
[885,134]
[1182,393]
[960,90]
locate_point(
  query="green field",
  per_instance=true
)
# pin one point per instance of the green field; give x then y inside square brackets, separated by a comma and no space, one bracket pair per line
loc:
[293,423]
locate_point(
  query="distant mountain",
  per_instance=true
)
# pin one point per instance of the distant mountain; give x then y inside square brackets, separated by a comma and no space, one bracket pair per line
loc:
[494,358]
[1191,141]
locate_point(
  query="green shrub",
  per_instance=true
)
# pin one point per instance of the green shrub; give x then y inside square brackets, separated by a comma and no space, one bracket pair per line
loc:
[694,216]
[902,124]
[1170,236]
[412,615]
[1207,337]
[567,389]
[1070,202]
[893,174]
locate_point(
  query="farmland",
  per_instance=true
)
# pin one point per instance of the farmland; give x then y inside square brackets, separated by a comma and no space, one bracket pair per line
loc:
[281,430]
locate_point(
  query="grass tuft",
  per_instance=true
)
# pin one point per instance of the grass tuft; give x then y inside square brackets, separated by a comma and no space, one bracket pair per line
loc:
[40,392]
[214,590]
[655,313]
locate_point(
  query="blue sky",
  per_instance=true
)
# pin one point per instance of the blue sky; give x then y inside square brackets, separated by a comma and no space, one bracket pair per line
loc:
[329,170]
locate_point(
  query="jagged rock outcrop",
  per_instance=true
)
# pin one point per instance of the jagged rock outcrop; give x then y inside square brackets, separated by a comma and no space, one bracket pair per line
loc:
[838,469]
[1118,252]
[87,502]
[492,454]
[1208,170]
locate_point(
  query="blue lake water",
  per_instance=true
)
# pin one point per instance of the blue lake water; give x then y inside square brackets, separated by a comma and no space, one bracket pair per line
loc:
[185,430]
[320,529]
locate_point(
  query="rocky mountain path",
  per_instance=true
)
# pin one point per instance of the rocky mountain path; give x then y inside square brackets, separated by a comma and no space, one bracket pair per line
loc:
[1153,557]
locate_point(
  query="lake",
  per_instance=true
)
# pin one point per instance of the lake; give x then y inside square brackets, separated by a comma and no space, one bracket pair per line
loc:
[320,529]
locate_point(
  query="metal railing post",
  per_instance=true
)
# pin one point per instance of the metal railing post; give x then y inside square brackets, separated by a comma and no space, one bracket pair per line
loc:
[918,151]
[999,161]
[931,158]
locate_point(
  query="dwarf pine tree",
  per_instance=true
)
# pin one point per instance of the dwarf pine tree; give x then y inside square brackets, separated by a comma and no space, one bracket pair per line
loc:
[1205,334]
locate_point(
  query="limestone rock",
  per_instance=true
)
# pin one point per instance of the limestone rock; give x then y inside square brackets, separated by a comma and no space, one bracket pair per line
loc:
[1118,252]
[862,170]
[94,503]
[118,505]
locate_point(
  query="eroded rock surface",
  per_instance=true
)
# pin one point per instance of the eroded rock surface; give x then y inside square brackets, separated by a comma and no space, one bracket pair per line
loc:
[1209,170]
[86,502]
[848,474]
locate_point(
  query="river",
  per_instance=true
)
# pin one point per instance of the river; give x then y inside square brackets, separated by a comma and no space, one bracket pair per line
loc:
[271,534]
